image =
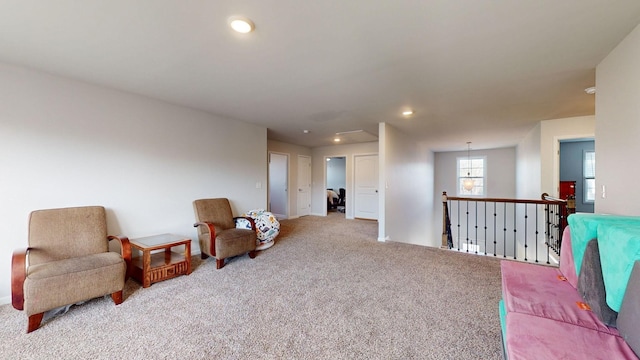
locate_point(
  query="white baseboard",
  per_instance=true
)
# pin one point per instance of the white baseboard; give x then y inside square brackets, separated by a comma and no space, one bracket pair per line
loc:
[386,238]
[317,214]
[293,217]
[5,300]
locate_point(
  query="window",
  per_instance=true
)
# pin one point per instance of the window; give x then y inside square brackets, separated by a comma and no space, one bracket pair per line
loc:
[472,168]
[589,174]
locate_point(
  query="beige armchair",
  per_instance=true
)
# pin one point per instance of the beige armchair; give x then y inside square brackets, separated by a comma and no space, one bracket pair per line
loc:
[67,261]
[217,231]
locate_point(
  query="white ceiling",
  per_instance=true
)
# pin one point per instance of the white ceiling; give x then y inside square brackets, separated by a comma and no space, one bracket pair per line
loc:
[474,70]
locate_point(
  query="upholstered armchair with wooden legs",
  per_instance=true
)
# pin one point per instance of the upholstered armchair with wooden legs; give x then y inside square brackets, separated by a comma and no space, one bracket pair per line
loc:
[67,261]
[217,231]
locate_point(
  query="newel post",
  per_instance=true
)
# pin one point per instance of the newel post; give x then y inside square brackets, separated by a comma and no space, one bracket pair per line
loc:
[444,221]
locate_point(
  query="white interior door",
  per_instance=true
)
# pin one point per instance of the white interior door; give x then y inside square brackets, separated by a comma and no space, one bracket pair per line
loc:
[304,185]
[278,184]
[366,187]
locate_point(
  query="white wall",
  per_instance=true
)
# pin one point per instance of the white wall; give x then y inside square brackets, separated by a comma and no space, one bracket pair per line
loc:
[551,132]
[500,178]
[318,175]
[406,190]
[293,151]
[618,128]
[500,171]
[66,143]
[528,168]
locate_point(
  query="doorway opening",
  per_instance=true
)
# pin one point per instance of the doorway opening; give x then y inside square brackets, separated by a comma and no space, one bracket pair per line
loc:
[577,173]
[336,181]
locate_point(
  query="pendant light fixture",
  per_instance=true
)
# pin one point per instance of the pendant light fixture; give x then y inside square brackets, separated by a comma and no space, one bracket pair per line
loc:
[467,183]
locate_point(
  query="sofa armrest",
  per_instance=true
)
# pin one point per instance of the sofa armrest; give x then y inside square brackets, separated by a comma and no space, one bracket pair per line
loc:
[125,251]
[18,275]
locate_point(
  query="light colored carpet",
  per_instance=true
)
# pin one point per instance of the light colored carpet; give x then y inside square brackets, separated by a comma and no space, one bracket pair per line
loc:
[326,290]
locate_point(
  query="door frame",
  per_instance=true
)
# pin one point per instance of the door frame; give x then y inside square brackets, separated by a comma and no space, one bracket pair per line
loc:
[324,182]
[556,157]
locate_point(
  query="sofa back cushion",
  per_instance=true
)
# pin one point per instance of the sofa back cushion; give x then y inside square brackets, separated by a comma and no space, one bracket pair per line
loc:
[619,250]
[585,227]
[591,285]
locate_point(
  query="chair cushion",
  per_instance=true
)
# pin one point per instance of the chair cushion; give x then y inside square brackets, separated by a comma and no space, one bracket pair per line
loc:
[232,242]
[532,337]
[542,291]
[57,234]
[58,283]
[216,211]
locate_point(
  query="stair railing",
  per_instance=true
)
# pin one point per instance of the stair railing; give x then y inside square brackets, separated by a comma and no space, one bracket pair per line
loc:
[527,230]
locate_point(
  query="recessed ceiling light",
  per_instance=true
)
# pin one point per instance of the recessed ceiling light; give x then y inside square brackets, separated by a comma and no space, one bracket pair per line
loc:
[336,140]
[407,112]
[306,131]
[590,90]
[241,24]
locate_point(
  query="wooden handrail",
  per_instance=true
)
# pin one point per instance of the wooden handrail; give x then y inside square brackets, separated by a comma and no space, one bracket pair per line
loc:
[546,196]
[445,197]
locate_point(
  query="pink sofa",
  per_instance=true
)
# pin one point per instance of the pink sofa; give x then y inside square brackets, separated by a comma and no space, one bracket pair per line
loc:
[561,313]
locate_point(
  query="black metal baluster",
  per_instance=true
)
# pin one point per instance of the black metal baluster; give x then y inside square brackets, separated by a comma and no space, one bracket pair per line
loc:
[495,229]
[537,226]
[515,224]
[476,247]
[526,216]
[467,227]
[458,203]
[504,233]
[485,228]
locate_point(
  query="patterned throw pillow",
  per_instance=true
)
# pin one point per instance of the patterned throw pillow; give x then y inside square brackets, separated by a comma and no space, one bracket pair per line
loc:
[267,226]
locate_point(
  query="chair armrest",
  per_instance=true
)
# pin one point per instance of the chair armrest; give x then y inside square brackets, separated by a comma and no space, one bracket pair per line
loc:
[18,275]
[210,227]
[212,234]
[249,219]
[125,251]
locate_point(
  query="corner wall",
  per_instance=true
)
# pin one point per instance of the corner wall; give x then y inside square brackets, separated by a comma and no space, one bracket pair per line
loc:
[618,128]
[66,143]
[528,166]
[406,189]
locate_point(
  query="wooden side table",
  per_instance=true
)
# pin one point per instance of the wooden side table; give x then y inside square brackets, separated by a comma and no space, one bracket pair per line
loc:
[154,266]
